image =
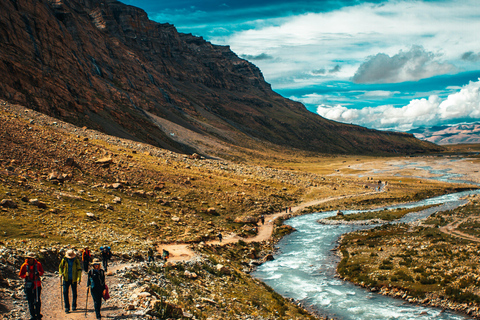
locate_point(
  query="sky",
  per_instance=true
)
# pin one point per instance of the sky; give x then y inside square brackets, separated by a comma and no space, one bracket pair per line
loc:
[383,64]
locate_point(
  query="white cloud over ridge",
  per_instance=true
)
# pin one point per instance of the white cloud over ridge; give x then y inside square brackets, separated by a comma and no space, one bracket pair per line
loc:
[462,106]
[303,45]
[411,65]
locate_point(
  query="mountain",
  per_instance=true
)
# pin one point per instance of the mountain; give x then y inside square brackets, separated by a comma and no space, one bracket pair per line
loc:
[445,135]
[104,65]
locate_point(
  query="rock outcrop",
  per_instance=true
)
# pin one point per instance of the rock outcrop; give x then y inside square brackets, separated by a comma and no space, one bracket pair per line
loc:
[104,65]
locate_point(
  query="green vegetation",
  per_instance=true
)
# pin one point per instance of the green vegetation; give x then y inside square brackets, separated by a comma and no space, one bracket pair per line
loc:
[386,215]
[423,261]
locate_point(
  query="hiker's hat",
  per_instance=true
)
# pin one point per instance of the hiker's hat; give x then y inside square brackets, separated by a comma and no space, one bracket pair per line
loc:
[30,255]
[96,261]
[70,254]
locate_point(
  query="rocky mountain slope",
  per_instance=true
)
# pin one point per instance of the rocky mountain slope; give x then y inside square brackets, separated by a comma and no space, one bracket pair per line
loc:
[444,135]
[106,66]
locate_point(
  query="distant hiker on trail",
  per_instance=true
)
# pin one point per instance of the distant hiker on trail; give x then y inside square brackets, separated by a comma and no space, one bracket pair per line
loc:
[262,219]
[290,209]
[150,256]
[31,270]
[165,255]
[286,209]
[220,237]
[106,255]
[70,270]
[86,258]
[96,285]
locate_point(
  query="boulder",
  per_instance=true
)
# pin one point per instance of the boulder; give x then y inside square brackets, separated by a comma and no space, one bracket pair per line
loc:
[38,203]
[246,219]
[8,203]
[222,269]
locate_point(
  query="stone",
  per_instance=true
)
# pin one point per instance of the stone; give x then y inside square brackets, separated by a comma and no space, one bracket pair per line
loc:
[8,203]
[38,203]
[246,219]
[222,269]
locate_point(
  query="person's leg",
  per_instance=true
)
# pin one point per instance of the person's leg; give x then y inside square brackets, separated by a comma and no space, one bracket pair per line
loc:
[31,302]
[66,286]
[97,303]
[38,303]
[74,296]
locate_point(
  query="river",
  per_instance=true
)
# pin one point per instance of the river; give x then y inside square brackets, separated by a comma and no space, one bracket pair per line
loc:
[304,270]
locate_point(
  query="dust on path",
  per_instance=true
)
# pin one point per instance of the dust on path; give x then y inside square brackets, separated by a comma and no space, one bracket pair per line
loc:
[182,252]
[52,309]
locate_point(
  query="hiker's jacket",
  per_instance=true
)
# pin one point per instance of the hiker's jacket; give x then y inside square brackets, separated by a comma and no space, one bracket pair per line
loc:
[76,274]
[96,280]
[32,277]
[86,255]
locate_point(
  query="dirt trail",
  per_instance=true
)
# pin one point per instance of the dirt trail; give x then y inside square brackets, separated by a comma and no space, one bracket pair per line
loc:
[52,309]
[51,291]
[182,252]
[450,229]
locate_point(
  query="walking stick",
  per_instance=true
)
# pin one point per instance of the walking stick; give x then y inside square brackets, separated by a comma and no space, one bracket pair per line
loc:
[86,302]
[61,293]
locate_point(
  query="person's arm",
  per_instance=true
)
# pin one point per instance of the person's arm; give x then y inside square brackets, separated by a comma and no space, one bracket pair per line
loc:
[61,268]
[23,271]
[40,269]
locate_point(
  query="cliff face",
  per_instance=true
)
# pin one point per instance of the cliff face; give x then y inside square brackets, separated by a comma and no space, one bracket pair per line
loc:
[105,65]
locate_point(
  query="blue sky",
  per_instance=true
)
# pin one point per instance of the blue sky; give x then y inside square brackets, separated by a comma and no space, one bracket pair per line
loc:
[395,65]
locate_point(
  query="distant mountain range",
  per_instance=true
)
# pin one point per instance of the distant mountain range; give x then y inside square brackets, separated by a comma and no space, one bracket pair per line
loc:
[444,135]
[104,65]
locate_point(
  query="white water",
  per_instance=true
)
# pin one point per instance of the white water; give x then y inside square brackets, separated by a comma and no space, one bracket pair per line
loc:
[304,270]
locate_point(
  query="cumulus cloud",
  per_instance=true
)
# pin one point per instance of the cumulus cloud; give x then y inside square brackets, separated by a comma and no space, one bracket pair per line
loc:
[462,106]
[470,56]
[261,56]
[412,65]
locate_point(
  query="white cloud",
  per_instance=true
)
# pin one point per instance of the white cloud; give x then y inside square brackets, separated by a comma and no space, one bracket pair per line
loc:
[411,65]
[347,36]
[460,106]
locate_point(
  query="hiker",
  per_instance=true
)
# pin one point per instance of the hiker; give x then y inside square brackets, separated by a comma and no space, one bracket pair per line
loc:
[31,270]
[86,258]
[262,219]
[290,209]
[150,256]
[165,255]
[96,285]
[70,270]
[220,237]
[106,255]
[286,209]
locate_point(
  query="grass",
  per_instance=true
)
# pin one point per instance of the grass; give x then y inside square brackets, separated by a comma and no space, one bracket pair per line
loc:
[386,214]
[422,261]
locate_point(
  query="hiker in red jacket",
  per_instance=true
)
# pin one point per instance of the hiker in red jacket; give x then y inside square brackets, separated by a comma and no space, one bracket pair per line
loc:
[86,258]
[31,271]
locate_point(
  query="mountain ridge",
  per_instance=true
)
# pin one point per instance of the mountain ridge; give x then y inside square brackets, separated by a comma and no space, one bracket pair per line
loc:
[106,66]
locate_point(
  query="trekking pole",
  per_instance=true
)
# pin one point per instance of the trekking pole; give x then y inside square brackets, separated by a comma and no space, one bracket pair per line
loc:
[61,293]
[86,302]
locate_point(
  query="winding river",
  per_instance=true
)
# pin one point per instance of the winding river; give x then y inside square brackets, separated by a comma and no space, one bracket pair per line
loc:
[304,269]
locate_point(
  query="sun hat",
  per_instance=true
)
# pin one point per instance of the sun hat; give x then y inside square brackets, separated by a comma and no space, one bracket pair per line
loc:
[70,254]
[30,255]
[95,261]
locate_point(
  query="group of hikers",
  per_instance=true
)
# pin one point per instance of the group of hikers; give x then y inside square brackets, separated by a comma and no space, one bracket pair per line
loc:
[70,273]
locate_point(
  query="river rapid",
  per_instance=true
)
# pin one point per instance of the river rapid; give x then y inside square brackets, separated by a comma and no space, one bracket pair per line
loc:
[304,269]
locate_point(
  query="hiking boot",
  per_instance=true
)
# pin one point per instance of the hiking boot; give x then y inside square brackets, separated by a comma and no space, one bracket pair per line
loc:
[67,310]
